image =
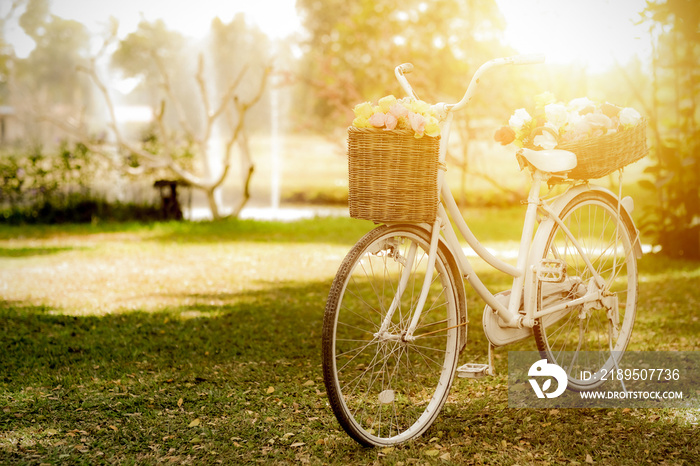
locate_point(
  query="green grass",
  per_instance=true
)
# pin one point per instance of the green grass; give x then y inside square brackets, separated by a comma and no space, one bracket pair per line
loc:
[199,343]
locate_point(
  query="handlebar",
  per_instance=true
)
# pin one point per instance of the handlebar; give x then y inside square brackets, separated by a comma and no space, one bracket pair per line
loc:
[401,70]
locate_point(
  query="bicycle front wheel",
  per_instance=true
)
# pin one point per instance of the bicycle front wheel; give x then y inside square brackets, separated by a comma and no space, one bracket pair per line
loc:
[589,339]
[383,387]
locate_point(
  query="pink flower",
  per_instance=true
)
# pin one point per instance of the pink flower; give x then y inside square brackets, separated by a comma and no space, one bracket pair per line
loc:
[391,121]
[599,121]
[398,110]
[378,120]
[417,123]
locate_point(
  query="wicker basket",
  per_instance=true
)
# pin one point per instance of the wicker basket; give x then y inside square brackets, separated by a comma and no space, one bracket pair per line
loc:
[599,156]
[392,176]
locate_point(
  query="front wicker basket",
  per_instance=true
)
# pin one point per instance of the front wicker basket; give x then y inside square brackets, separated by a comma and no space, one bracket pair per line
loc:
[599,156]
[392,176]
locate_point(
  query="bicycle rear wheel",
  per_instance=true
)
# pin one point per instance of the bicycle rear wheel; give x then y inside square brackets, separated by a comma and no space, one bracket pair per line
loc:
[589,339]
[383,388]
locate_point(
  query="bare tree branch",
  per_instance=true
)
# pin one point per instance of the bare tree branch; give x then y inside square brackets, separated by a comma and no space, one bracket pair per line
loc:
[179,110]
[239,126]
[119,148]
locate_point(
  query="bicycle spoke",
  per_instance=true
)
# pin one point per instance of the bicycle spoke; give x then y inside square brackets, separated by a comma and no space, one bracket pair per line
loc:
[581,339]
[386,386]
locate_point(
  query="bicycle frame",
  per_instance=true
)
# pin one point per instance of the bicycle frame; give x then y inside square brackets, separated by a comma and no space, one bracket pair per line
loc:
[524,273]
[395,321]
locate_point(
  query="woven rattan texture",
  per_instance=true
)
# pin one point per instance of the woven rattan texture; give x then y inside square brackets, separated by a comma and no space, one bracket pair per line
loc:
[602,155]
[392,176]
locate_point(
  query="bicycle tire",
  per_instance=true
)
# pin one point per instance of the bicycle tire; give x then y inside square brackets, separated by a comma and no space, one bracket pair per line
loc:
[581,339]
[383,391]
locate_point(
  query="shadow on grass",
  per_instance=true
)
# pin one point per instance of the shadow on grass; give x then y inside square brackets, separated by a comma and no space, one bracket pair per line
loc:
[271,324]
[244,380]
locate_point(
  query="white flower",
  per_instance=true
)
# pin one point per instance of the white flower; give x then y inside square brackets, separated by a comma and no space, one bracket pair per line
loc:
[579,104]
[556,115]
[519,118]
[574,117]
[546,140]
[629,116]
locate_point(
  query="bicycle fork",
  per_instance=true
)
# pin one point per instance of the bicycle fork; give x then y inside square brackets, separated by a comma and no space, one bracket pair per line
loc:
[407,335]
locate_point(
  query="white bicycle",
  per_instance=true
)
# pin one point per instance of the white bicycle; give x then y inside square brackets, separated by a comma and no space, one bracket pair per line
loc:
[396,316]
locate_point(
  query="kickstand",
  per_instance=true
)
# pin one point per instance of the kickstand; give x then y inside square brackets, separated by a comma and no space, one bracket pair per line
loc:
[491,370]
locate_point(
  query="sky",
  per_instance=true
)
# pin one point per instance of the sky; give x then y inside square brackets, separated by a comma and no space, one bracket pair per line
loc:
[596,33]
[593,33]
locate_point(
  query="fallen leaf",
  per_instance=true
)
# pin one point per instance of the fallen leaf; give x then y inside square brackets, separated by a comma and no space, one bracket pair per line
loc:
[179,403]
[297,444]
[589,459]
[194,423]
[308,383]
[270,390]
[432,452]
[445,457]
[51,431]
[387,450]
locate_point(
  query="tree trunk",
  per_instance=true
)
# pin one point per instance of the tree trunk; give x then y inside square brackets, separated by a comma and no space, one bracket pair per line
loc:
[247,169]
[214,204]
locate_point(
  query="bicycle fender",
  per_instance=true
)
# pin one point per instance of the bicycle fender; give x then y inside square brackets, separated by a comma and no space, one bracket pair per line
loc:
[626,213]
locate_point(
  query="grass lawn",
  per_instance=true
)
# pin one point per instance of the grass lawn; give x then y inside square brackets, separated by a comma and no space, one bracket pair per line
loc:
[183,343]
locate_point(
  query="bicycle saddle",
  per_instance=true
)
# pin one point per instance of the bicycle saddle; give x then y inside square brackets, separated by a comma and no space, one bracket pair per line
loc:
[550,160]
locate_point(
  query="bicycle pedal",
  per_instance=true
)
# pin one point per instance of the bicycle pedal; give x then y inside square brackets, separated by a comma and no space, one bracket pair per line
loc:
[551,270]
[473,371]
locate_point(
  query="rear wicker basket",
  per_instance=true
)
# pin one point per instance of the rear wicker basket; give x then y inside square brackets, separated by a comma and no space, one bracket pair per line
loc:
[392,176]
[602,155]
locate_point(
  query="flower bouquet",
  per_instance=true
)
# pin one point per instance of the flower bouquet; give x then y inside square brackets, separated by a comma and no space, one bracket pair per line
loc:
[392,114]
[393,151]
[604,137]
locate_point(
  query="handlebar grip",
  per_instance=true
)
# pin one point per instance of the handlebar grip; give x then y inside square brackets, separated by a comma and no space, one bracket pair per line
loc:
[531,59]
[405,68]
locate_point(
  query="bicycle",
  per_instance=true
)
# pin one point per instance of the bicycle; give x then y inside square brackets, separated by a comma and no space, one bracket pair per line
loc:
[395,320]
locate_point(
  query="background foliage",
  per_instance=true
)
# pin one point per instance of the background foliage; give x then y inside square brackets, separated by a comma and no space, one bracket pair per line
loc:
[675,124]
[346,55]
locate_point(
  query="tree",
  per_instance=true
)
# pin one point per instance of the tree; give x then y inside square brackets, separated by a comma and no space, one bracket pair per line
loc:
[190,112]
[353,47]
[6,52]
[47,78]
[675,117]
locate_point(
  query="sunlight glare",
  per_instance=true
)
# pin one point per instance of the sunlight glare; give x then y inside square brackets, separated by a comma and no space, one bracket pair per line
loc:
[596,34]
